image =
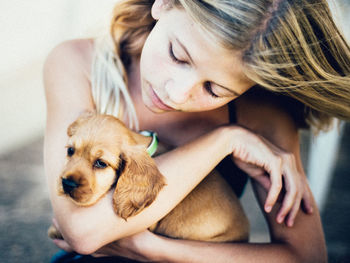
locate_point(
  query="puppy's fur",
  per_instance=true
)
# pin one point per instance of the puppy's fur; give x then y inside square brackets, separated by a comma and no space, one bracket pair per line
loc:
[102,154]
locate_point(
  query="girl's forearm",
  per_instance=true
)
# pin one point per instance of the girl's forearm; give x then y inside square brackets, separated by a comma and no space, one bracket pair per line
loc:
[192,162]
[172,250]
[305,243]
[90,228]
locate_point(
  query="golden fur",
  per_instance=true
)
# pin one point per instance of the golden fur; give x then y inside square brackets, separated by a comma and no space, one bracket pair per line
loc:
[102,153]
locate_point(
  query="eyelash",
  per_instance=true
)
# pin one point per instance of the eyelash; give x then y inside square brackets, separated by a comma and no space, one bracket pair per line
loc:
[207,84]
[172,55]
[208,88]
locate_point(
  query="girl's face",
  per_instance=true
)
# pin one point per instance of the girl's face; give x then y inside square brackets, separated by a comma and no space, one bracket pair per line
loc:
[182,69]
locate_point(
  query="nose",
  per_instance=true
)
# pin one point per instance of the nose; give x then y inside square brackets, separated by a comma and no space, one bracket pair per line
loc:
[69,185]
[179,91]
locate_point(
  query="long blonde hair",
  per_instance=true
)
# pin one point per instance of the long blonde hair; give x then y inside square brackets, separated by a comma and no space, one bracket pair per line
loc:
[291,47]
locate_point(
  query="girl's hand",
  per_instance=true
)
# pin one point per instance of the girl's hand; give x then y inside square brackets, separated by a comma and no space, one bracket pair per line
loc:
[62,244]
[141,247]
[268,164]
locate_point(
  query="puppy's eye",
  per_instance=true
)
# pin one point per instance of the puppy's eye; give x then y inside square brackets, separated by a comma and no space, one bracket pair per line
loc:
[70,151]
[100,164]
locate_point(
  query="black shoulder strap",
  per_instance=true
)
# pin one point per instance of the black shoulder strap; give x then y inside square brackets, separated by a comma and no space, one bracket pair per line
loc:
[235,177]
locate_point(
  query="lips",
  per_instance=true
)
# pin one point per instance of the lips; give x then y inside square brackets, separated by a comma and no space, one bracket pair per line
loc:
[158,102]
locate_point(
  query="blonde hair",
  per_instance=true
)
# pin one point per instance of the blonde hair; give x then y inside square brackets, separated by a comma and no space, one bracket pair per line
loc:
[290,47]
[109,84]
[112,57]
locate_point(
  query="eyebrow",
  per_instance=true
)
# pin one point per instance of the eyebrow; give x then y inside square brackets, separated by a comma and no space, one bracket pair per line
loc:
[191,60]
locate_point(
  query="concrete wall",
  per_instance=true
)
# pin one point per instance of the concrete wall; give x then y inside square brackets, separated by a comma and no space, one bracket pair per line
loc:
[29,30]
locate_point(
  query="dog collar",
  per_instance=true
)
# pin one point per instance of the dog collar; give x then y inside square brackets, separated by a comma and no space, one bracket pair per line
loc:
[152,147]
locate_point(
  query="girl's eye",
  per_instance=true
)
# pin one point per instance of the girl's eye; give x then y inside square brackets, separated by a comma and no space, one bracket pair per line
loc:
[100,164]
[70,151]
[173,57]
[209,89]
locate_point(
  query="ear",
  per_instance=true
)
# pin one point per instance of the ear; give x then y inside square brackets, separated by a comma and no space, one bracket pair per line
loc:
[138,185]
[72,128]
[158,7]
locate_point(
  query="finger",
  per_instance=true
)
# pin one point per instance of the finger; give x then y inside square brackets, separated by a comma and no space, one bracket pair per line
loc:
[98,255]
[289,201]
[292,197]
[63,245]
[264,180]
[293,213]
[276,185]
[307,199]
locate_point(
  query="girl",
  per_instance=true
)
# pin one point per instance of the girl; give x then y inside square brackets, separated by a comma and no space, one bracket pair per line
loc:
[203,65]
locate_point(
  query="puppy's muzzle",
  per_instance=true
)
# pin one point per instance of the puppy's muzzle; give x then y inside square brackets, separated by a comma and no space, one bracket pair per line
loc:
[69,185]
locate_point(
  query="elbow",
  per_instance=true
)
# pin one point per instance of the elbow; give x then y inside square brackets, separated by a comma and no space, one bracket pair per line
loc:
[81,238]
[318,254]
[320,257]
[80,243]
[83,248]
[315,250]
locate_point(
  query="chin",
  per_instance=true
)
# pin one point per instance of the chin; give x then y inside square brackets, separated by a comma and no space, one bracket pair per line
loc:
[155,110]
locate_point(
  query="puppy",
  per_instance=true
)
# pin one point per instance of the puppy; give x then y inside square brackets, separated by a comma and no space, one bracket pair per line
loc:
[104,155]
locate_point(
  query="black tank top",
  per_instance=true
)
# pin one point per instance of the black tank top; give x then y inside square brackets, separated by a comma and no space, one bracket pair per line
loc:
[234,176]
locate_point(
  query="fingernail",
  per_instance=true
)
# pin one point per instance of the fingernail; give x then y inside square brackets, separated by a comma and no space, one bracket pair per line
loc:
[290,223]
[268,208]
[280,219]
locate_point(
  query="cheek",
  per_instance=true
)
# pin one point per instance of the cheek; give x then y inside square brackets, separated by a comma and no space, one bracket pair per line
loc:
[105,179]
[153,55]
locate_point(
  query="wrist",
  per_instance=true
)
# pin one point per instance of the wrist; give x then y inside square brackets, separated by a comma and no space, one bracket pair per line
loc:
[158,249]
[167,250]
[230,135]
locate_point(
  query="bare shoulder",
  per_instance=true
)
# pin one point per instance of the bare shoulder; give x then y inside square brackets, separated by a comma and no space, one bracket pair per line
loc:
[67,80]
[80,49]
[268,117]
[70,57]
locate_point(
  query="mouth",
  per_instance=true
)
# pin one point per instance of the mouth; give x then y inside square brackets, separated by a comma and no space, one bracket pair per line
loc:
[158,102]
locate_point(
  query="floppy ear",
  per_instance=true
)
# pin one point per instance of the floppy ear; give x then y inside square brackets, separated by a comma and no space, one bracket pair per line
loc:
[138,184]
[72,128]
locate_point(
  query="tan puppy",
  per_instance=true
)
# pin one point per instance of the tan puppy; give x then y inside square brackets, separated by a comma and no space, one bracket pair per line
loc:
[102,154]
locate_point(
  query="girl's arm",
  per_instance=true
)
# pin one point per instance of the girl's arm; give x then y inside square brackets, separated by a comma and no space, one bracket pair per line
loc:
[304,242]
[277,119]
[67,87]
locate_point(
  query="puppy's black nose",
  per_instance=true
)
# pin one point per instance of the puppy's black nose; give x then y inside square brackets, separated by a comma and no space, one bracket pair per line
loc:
[69,185]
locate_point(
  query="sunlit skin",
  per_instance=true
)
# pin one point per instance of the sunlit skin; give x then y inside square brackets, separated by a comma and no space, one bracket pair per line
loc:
[184,69]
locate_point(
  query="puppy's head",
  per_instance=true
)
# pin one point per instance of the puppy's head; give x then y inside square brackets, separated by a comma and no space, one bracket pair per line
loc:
[102,153]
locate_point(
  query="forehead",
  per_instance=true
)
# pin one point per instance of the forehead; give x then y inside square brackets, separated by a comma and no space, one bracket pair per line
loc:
[210,57]
[92,147]
[98,135]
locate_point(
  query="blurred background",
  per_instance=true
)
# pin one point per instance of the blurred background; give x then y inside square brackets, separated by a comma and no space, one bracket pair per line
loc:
[29,30]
